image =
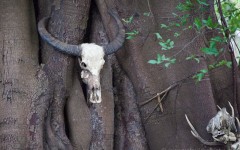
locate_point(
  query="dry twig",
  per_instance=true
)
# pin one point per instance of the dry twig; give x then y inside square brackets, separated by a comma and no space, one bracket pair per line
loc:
[159,98]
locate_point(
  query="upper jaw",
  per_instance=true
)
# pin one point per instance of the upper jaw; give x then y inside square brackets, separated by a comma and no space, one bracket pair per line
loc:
[94,95]
[93,86]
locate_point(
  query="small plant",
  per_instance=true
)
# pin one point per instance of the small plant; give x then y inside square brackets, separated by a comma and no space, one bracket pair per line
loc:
[167,61]
[128,20]
[188,5]
[166,45]
[132,34]
[220,64]
[200,75]
[193,57]
[201,25]
[147,14]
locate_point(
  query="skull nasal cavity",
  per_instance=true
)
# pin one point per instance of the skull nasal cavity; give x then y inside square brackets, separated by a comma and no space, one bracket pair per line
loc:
[83,65]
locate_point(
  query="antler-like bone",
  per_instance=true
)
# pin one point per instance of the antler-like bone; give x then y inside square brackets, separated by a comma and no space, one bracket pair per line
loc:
[219,107]
[238,124]
[232,109]
[196,135]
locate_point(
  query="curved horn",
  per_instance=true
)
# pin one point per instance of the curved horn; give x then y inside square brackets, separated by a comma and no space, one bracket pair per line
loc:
[74,50]
[113,46]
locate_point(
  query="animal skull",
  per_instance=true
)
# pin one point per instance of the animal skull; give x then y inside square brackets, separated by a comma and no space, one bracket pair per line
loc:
[223,129]
[220,122]
[91,55]
[91,64]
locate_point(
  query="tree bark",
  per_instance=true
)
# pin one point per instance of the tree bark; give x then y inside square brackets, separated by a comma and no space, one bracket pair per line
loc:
[68,23]
[169,128]
[24,85]
[44,106]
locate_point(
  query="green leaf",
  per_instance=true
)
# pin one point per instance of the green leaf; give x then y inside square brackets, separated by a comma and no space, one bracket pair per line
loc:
[159,58]
[128,20]
[163,26]
[209,23]
[190,57]
[202,2]
[167,64]
[172,61]
[212,50]
[174,14]
[198,23]
[176,34]
[188,5]
[199,76]
[153,62]
[224,63]
[171,44]
[184,19]
[221,63]
[217,39]
[158,36]
[229,64]
[146,14]
[131,19]
[211,67]
[164,57]
[197,60]
[204,71]
[129,37]
[166,45]
[193,57]
[132,34]
[177,25]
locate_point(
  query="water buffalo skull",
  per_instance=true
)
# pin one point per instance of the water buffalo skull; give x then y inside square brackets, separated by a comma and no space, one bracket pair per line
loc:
[91,56]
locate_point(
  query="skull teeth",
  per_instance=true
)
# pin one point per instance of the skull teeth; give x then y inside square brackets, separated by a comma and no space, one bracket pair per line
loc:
[94,96]
[84,74]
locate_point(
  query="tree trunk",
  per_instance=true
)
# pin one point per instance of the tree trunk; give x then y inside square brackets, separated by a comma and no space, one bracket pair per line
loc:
[44,102]
[24,85]
[68,23]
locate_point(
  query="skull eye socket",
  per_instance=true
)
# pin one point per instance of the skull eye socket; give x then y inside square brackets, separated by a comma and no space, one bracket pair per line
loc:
[83,65]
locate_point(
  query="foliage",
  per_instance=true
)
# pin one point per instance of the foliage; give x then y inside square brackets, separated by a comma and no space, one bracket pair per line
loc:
[231,11]
[199,24]
[199,76]
[162,59]
[166,45]
[128,20]
[131,34]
